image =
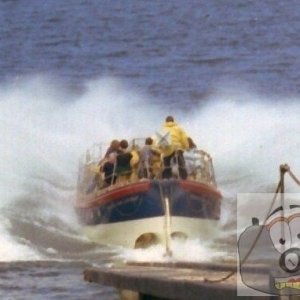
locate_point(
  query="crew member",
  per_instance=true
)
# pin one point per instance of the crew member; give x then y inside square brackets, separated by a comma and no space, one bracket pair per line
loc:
[174,148]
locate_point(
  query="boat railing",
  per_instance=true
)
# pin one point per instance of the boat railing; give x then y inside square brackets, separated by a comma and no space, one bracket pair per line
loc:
[198,165]
[93,154]
[88,167]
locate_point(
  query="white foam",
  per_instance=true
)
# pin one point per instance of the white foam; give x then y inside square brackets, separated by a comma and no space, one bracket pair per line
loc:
[11,249]
[187,251]
[248,140]
[45,129]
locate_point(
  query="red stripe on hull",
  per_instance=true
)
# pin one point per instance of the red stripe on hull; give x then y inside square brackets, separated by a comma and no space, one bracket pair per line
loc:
[117,193]
[199,188]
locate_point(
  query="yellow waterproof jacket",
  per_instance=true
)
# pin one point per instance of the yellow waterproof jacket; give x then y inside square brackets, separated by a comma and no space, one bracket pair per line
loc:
[179,139]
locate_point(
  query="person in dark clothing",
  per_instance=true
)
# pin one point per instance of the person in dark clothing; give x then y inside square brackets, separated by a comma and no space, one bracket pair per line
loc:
[178,160]
[114,147]
[123,167]
[108,169]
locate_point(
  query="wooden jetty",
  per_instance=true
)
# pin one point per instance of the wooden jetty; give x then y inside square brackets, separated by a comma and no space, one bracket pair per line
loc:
[182,281]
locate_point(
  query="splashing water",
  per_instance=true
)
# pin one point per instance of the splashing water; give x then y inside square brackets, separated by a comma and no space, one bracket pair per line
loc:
[45,129]
[188,251]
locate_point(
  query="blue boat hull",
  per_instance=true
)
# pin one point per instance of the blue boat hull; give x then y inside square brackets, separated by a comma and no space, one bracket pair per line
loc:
[147,200]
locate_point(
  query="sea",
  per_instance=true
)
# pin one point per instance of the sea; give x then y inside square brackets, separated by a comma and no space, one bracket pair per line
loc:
[78,72]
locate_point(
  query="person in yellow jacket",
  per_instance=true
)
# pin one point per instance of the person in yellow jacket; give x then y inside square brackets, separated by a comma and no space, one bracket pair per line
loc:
[172,145]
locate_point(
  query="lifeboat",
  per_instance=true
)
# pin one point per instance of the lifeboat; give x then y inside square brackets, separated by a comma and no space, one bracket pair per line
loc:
[144,211]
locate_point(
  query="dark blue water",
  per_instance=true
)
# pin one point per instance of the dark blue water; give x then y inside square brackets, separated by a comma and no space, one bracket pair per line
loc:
[174,51]
[178,55]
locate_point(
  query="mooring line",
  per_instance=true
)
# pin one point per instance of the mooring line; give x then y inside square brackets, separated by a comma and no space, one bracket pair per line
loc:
[167,223]
[280,189]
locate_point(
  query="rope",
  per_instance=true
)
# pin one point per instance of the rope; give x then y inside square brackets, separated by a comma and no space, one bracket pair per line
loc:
[113,173]
[167,229]
[293,177]
[283,169]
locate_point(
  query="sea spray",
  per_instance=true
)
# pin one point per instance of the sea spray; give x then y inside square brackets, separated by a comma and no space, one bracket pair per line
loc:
[45,129]
[249,140]
[11,249]
[182,250]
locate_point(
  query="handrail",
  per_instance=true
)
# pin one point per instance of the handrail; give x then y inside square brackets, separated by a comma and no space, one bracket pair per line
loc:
[198,164]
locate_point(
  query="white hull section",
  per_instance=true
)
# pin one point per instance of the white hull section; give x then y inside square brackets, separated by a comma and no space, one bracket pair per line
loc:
[126,233]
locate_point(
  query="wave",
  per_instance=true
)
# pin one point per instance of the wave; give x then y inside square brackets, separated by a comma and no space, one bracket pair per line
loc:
[45,128]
